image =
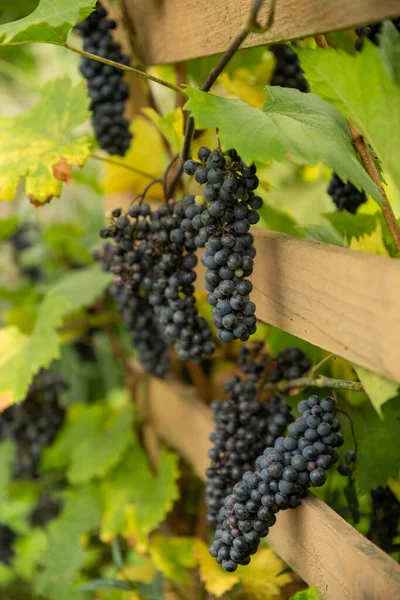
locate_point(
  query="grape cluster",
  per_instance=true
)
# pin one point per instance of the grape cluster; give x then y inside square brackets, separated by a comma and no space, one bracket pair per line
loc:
[7,539]
[243,427]
[372,33]
[107,89]
[291,363]
[34,423]
[153,261]
[385,518]
[222,220]
[288,72]
[345,195]
[282,476]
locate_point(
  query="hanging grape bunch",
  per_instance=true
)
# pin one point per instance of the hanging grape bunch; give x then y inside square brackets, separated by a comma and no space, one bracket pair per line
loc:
[288,72]
[108,91]
[153,261]
[34,423]
[282,476]
[222,219]
[372,32]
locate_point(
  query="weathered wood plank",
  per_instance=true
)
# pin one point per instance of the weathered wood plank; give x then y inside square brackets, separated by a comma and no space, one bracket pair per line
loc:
[177,30]
[316,542]
[344,301]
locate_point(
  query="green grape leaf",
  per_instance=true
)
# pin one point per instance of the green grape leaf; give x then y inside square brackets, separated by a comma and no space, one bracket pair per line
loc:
[362,98]
[7,227]
[323,233]
[27,354]
[50,22]
[136,501]
[94,439]
[83,286]
[378,388]
[39,143]
[171,126]
[28,550]
[389,49]
[7,456]
[378,456]
[64,556]
[352,225]
[173,557]
[292,126]
[278,220]
[310,593]
[105,584]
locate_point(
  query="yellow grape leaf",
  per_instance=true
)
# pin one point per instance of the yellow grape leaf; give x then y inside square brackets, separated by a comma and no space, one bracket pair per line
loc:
[147,154]
[261,577]
[173,557]
[370,243]
[215,579]
[40,144]
[248,85]
[142,571]
[171,126]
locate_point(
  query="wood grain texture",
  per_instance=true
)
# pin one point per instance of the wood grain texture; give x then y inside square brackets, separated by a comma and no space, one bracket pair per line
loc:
[343,301]
[177,30]
[318,544]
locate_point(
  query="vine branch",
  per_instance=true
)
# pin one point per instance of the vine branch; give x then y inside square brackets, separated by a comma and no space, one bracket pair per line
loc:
[369,165]
[117,65]
[250,26]
[320,382]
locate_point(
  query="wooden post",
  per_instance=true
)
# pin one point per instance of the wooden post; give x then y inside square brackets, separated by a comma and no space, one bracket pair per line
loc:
[178,30]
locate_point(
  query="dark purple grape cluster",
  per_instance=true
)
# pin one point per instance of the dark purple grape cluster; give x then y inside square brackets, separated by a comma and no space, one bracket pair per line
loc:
[34,423]
[291,363]
[222,220]
[345,195]
[385,519]
[372,33]
[153,261]
[7,539]
[108,91]
[243,427]
[288,72]
[282,476]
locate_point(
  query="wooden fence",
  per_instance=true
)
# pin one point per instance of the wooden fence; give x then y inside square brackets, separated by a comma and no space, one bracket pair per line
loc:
[344,301]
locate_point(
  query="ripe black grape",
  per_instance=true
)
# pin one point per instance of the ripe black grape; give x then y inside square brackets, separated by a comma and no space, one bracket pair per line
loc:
[221,221]
[34,423]
[372,33]
[153,261]
[108,91]
[288,72]
[345,195]
[282,477]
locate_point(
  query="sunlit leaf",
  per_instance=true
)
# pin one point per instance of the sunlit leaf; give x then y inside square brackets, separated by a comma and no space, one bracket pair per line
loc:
[215,579]
[372,243]
[378,388]
[50,22]
[173,557]
[35,143]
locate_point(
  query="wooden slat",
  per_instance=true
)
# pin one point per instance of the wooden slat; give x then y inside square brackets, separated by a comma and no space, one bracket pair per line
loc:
[177,30]
[343,301]
[318,544]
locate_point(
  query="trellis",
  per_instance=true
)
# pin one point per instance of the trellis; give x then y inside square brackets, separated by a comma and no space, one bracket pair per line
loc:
[343,301]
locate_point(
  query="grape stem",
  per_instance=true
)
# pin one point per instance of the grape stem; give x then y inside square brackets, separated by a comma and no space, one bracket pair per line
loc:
[321,364]
[320,382]
[351,427]
[250,25]
[117,65]
[369,165]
